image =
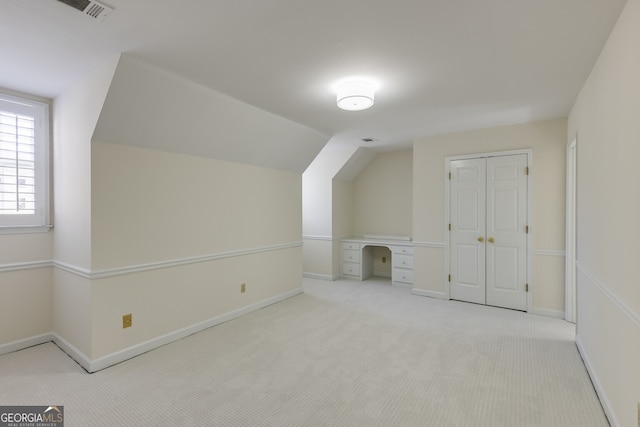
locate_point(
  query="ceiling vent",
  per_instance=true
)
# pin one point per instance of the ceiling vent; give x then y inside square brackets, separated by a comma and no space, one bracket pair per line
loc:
[91,8]
[369,140]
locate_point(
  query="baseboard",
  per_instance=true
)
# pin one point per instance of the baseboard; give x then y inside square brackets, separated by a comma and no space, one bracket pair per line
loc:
[606,405]
[430,294]
[17,345]
[320,276]
[128,353]
[558,314]
[80,358]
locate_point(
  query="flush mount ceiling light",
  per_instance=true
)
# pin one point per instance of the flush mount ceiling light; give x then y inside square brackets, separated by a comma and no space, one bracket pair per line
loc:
[355,95]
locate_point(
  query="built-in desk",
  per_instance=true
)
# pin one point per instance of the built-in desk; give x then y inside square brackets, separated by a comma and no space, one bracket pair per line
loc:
[357,259]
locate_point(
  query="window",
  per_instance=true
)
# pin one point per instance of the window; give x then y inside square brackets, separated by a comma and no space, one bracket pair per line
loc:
[24,164]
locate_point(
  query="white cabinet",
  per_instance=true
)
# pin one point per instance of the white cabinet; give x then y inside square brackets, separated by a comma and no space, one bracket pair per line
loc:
[402,265]
[351,256]
[357,260]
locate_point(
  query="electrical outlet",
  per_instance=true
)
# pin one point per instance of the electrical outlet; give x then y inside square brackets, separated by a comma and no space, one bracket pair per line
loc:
[243,288]
[384,259]
[127,321]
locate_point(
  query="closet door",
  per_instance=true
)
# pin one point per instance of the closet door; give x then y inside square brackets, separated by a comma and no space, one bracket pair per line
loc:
[488,240]
[468,195]
[506,238]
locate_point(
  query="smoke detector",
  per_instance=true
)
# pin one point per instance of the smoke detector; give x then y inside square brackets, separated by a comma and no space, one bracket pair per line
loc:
[91,8]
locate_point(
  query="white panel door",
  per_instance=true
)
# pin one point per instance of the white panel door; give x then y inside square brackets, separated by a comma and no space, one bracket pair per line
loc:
[488,241]
[468,188]
[506,241]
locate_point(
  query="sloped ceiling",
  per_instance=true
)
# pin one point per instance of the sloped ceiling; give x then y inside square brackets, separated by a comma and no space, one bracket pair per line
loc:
[151,108]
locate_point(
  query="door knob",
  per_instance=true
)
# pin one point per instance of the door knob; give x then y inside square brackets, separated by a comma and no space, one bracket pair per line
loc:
[480,239]
[490,239]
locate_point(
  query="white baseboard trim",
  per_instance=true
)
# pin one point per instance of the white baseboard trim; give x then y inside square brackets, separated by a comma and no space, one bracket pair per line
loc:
[17,345]
[320,276]
[430,294]
[73,352]
[558,314]
[136,350]
[606,405]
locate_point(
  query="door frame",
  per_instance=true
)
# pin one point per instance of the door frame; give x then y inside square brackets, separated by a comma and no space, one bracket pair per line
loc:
[570,312]
[447,213]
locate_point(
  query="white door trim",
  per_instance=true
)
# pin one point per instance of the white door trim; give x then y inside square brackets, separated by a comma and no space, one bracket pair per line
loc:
[570,259]
[447,239]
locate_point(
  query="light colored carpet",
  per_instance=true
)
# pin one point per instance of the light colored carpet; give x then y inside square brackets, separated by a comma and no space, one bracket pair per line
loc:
[343,354]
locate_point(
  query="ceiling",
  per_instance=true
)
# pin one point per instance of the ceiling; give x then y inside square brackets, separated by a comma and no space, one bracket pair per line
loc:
[440,65]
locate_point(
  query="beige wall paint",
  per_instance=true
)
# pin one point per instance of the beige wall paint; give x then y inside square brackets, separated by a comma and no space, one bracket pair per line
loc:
[317,258]
[342,212]
[382,195]
[151,206]
[26,308]
[167,300]
[72,308]
[547,139]
[19,248]
[605,120]
[342,222]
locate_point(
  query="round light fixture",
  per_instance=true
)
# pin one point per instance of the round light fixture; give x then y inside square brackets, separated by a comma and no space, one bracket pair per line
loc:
[355,95]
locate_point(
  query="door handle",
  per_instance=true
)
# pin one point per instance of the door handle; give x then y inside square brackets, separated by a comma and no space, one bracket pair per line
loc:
[490,240]
[480,239]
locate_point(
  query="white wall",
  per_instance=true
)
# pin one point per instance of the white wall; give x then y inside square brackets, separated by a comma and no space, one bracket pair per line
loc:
[75,114]
[548,141]
[605,119]
[321,243]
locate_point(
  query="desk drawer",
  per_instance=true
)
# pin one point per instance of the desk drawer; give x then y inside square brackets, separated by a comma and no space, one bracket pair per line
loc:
[350,269]
[403,250]
[402,261]
[351,245]
[350,256]
[402,275]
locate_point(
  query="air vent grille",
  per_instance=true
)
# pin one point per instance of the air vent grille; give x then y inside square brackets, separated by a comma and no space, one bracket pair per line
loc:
[90,8]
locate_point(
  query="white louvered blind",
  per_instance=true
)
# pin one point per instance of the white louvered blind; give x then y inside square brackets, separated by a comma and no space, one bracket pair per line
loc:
[24,160]
[17,164]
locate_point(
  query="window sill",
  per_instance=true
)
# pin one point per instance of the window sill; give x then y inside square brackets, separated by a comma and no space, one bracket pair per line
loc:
[25,229]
